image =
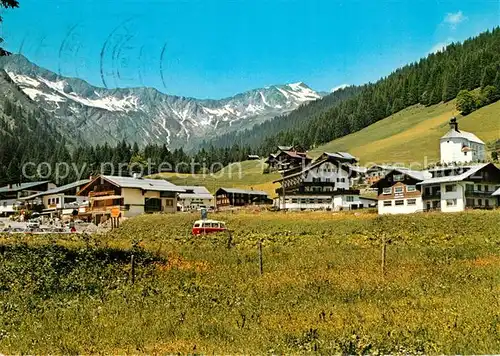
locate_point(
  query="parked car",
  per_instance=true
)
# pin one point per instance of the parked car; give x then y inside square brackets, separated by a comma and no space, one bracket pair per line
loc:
[33,224]
[208,226]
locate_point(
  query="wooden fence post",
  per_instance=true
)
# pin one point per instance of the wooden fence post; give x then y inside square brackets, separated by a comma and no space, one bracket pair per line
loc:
[132,269]
[261,262]
[229,239]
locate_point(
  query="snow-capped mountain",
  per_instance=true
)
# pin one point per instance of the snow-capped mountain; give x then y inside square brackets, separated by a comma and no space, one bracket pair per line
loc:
[145,115]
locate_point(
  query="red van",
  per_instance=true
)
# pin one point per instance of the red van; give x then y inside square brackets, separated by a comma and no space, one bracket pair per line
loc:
[208,226]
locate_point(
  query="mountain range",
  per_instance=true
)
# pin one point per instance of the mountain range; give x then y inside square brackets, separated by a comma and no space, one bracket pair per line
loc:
[85,113]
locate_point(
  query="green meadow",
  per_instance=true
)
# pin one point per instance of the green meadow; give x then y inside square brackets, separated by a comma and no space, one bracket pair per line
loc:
[323,288]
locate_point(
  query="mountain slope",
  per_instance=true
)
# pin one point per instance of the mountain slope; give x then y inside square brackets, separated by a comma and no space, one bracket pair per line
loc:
[145,115]
[439,77]
[412,135]
[25,133]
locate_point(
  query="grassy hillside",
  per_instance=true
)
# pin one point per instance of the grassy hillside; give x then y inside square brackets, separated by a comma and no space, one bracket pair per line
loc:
[247,174]
[412,135]
[322,289]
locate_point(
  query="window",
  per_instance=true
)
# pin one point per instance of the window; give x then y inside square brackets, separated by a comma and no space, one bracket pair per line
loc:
[487,202]
[400,202]
[197,225]
[411,188]
[327,180]
[479,188]
[399,177]
[451,202]
[167,194]
[388,203]
[387,190]
[398,189]
[349,198]
[480,202]
[169,202]
[412,201]
[451,188]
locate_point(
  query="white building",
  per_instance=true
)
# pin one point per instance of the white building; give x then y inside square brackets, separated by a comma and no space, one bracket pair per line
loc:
[326,183]
[399,192]
[11,195]
[61,200]
[452,189]
[460,146]
[195,198]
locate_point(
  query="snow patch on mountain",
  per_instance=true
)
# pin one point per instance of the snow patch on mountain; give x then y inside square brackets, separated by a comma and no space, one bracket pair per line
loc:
[35,93]
[145,115]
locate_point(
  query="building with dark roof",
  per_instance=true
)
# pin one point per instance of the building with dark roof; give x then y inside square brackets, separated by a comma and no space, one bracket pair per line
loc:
[240,197]
[325,183]
[11,194]
[61,200]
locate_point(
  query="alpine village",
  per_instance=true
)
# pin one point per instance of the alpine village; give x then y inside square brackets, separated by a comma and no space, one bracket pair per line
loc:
[463,179]
[170,186]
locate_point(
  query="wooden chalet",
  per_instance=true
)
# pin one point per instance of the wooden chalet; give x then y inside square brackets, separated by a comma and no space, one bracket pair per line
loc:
[288,157]
[226,197]
[129,196]
[399,191]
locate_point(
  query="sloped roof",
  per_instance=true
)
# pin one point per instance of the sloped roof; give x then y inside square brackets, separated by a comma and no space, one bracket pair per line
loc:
[417,175]
[198,192]
[60,189]
[158,185]
[340,155]
[243,191]
[456,178]
[462,134]
[497,193]
[198,189]
[20,187]
[319,161]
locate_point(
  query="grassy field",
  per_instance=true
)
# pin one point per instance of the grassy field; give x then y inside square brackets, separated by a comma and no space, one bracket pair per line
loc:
[322,289]
[412,135]
[247,175]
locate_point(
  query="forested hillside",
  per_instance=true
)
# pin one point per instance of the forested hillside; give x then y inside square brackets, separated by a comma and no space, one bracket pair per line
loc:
[297,118]
[440,76]
[25,133]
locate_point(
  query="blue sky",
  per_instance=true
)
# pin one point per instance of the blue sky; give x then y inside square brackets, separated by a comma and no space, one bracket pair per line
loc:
[214,49]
